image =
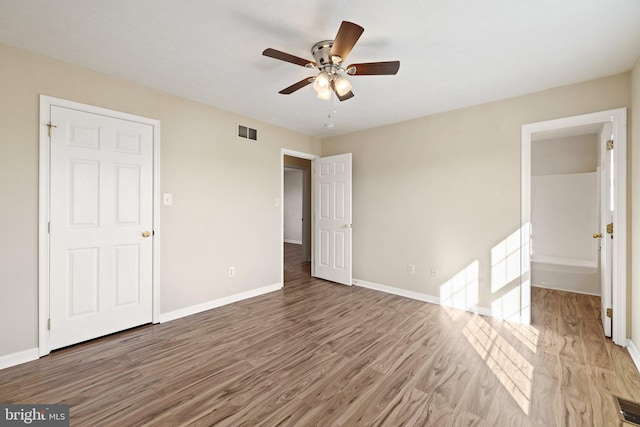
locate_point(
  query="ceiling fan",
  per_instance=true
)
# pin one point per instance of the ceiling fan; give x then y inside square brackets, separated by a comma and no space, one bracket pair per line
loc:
[329,56]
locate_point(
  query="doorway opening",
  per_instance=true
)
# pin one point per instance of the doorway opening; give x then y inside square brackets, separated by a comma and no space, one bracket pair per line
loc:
[296,206]
[573,197]
[330,218]
[296,214]
[565,209]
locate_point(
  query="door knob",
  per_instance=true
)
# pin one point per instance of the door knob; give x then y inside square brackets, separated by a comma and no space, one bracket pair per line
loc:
[597,235]
[346,226]
[146,234]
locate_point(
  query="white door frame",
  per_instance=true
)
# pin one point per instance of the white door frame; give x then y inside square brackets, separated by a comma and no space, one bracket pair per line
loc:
[300,155]
[618,118]
[46,102]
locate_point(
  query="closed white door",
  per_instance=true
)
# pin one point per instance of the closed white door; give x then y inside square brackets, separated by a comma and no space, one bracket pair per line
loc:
[101,213]
[332,218]
[607,204]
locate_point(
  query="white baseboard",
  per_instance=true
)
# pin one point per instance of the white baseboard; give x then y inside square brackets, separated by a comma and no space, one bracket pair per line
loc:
[564,290]
[198,308]
[14,359]
[417,296]
[295,242]
[635,354]
[397,291]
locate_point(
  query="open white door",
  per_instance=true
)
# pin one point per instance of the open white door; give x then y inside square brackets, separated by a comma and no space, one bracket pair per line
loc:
[101,219]
[332,218]
[607,206]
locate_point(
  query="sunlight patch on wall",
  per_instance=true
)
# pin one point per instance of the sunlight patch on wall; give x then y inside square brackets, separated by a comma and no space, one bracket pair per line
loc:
[526,231]
[461,291]
[507,306]
[525,299]
[510,269]
[505,261]
[513,371]
[525,276]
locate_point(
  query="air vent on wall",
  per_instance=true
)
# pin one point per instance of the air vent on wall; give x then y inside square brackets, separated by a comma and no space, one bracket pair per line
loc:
[247,133]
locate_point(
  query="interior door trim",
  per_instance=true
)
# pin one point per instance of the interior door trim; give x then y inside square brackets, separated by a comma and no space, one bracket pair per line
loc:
[46,102]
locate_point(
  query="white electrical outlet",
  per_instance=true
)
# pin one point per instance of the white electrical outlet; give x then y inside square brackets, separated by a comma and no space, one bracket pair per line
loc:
[434,272]
[232,271]
[411,268]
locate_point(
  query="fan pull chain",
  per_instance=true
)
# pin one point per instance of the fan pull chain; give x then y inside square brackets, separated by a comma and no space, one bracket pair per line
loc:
[332,105]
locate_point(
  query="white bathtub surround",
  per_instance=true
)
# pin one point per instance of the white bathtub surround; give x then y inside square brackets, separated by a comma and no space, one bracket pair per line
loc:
[564,215]
[564,277]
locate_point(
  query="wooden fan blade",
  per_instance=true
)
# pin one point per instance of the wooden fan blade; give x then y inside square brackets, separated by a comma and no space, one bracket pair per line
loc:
[294,87]
[374,68]
[283,56]
[344,97]
[347,36]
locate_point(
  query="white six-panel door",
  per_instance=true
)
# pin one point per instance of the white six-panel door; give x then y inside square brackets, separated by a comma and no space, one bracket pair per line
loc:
[101,209]
[332,218]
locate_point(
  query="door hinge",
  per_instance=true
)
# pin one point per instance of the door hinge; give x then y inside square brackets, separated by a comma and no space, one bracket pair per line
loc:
[610,228]
[610,144]
[49,324]
[610,313]
[49,227]
[50,125]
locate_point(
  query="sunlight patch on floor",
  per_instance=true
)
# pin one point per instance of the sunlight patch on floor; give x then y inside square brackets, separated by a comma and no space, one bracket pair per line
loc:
[526,334]
[513,371]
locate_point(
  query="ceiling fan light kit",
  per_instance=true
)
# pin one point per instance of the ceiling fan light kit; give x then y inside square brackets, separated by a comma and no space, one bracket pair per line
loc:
[322,81]
[324,94]
[341,84]
[329,56]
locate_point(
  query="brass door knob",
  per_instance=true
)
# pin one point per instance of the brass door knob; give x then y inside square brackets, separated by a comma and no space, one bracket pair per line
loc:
[146,234]
[597,235]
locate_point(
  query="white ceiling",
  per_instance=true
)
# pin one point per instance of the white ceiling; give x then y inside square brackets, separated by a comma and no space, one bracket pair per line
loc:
[453,53]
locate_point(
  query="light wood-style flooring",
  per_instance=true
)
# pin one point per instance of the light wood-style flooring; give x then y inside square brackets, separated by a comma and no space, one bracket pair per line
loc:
[317,353]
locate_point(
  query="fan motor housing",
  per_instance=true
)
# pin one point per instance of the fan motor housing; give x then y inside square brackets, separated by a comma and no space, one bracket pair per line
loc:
[321,52]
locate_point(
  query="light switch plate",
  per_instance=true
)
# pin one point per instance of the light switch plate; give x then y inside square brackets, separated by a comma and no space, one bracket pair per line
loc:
[167,199]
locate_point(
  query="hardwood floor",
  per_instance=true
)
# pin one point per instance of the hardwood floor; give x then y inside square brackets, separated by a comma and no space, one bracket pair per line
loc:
[296,270]
[317,353]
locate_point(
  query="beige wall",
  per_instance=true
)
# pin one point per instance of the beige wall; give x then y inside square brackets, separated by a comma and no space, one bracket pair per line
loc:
[224,189]
[442,191]
[573,154]
[292,203]
[635,214]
